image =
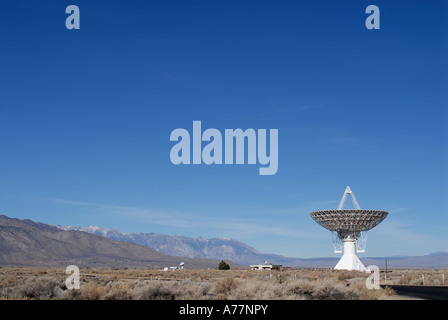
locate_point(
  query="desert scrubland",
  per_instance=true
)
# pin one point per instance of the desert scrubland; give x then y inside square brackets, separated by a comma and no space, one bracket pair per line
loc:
[203,284]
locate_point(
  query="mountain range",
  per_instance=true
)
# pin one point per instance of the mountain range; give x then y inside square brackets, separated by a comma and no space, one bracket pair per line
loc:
[29,243]
[242,254]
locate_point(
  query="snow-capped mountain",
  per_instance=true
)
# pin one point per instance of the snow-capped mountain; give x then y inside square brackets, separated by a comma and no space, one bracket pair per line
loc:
[177,245]
[110,233]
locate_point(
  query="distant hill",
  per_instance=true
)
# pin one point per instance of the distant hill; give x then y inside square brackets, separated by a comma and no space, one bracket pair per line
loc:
[28,243]
[432,260]
[241,253]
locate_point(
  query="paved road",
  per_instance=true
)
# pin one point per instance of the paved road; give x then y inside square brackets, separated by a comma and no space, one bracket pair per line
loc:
[422,292]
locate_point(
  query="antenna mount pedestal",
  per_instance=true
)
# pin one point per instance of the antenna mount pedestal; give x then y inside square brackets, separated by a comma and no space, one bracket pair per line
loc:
[350,260]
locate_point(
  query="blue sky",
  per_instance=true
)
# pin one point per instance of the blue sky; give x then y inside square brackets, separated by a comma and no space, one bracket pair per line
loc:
[86,117]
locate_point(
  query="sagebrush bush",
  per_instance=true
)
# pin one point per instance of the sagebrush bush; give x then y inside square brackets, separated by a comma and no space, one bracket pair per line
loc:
[43,287]
[92,291]
[320,290]
[329,290]
[157,291]
[256,290]
[224,286]
[118,291]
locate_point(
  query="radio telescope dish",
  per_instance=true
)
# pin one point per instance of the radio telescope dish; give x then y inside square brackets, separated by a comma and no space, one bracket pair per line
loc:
[350,227]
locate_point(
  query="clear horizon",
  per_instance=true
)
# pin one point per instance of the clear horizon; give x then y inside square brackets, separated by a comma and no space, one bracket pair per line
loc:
[86,117]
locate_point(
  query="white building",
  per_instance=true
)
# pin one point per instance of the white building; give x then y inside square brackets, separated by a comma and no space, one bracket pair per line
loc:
[265,266]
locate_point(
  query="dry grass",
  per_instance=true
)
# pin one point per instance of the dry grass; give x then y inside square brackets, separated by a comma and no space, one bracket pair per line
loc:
[145,284]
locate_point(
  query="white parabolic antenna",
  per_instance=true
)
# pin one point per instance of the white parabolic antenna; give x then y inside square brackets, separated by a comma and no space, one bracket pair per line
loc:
[349,228]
